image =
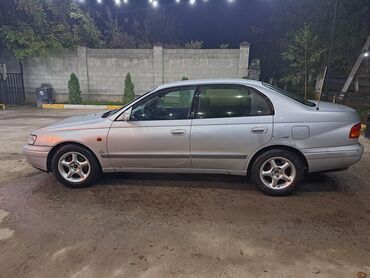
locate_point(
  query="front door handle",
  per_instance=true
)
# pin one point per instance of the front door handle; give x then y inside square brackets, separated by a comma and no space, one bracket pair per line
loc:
[259,130]
[178,132]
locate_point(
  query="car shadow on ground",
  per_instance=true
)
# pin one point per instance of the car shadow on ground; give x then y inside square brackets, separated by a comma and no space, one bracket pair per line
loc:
[318,182]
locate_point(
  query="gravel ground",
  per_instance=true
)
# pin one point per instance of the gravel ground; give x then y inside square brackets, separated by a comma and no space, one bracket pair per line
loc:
[151,225]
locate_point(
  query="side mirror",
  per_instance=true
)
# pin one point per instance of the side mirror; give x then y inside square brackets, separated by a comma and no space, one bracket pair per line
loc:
[126,115]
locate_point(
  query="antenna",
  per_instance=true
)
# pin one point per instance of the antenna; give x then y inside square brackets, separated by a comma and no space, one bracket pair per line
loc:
[321,86]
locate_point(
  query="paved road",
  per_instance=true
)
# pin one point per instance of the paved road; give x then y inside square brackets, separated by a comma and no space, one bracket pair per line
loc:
[151,225]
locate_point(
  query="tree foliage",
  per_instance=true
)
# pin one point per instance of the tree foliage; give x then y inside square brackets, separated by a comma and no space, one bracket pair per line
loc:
[114,35]
[303,56]
[39,27]
[74,92]
[194,45]
[83,27]
[158,26]
[128,93]
[281,17]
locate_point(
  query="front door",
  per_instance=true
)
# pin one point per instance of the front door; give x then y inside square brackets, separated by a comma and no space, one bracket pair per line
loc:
[157,134]
[231,121]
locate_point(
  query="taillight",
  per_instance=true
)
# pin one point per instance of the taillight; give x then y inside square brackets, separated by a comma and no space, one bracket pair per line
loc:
[355,131]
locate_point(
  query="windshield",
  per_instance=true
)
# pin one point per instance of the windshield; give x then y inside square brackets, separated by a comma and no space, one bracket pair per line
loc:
[290,95]
[112,112]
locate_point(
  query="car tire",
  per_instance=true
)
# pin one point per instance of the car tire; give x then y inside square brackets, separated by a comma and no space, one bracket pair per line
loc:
[75,166]
[277,172]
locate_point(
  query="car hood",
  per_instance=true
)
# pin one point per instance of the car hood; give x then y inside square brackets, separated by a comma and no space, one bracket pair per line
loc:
[78,122]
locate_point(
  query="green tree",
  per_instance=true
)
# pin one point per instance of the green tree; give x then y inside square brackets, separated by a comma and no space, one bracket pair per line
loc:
[351,32]
[282,17]
[38,27]
[303,56]
[83,27]
[158,26]
[151,27]
[74,92]
[112,31]
[128,93]
[194,45]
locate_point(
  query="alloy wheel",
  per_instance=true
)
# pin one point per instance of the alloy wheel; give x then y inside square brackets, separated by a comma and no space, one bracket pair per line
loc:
[74,167]
[277,173]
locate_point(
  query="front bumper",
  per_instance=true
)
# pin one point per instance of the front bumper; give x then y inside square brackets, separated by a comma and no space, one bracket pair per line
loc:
[334,158]
[37,156]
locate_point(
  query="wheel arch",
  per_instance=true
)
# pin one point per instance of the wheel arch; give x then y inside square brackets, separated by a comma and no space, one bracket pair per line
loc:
[277,147]
[60,145]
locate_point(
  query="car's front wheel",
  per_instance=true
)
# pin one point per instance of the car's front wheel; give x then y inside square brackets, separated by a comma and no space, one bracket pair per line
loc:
[277,172]
[75,166]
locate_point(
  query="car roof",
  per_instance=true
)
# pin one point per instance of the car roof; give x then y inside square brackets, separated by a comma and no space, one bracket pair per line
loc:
[209,81]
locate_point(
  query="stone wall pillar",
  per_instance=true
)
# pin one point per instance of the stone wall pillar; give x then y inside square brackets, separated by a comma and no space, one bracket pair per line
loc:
[82,70]
[254,71]
[158,65]
[243,60]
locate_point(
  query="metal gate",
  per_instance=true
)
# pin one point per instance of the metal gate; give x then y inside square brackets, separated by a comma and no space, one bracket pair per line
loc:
[11,88]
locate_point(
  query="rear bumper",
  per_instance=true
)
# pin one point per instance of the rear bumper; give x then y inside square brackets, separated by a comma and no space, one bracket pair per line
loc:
[329,159]
[37,156]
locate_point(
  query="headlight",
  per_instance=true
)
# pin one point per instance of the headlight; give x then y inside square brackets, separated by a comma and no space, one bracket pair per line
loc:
[31,139]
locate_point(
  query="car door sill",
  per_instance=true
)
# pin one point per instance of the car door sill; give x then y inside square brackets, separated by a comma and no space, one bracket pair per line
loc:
[183,171]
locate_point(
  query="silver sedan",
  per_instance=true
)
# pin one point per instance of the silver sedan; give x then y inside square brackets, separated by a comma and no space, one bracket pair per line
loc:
[232,127]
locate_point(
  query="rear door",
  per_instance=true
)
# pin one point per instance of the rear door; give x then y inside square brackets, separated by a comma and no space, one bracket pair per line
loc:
[230,122]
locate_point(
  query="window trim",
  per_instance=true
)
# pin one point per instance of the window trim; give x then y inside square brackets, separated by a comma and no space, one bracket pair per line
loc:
[239,86]
[164,91]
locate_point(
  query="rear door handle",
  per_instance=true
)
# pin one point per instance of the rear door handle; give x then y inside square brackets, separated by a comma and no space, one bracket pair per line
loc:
[259,130]
[178,132]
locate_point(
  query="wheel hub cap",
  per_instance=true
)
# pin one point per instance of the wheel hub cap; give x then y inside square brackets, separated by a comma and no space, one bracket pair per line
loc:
[278,173]
[74,167]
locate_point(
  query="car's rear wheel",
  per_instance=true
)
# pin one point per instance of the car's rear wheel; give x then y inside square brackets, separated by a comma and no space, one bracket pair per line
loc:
[277,172]
[75,166]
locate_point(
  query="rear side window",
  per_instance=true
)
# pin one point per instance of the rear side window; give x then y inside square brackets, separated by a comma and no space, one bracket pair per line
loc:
[290,95]
[223,101]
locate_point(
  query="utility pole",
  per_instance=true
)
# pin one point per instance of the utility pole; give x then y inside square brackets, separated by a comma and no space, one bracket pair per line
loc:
[355,68]
[305,71]
[332,33]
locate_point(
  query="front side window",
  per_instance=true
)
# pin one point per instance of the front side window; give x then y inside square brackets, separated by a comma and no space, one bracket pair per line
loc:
[223,101]
[168,105]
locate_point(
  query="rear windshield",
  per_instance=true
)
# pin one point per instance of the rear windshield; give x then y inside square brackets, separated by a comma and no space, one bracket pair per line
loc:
[290,95]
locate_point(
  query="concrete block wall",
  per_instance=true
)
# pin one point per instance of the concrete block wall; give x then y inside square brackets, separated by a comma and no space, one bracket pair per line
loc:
[101,72]
[53,69]
[158,73]
[107,69]
[200,63]
[82,71]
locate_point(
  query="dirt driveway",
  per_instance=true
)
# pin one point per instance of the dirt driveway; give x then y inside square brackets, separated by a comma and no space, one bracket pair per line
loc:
[148,225]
